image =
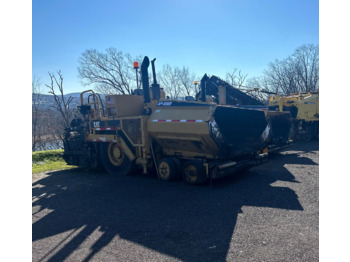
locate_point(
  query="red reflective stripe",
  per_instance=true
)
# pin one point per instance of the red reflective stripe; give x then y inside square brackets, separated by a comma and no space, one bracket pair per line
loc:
[178,120]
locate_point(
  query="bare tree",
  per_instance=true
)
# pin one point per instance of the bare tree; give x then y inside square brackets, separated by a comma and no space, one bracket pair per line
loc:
[36,111]
[187,81]
[257,88]
[236,78]
[297,73]
[177,82]
[282,77]
[47,123]
[62,103]
[110,72]
[50,130]
[307,67]
[170,80]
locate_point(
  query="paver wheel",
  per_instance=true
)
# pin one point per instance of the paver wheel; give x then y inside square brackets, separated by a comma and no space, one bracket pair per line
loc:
[193,172]
[114,159]
[167,169]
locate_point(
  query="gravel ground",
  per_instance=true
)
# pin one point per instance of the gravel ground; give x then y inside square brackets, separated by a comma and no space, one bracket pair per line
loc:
[267,213]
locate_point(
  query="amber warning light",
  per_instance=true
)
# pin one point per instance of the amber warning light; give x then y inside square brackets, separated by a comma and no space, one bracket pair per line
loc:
[136,64]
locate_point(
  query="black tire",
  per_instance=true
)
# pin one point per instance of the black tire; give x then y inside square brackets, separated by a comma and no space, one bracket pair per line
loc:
[167,169]
[115,165]
[193,172]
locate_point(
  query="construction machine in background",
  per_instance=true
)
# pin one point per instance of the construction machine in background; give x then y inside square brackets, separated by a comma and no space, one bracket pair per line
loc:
[304,109]
[195,140]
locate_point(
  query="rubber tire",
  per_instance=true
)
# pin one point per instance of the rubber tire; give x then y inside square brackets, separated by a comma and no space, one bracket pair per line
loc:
[124,169]
[172,169]
[199,168]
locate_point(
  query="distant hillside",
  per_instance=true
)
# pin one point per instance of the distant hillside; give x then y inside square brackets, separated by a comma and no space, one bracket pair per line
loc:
[48,101]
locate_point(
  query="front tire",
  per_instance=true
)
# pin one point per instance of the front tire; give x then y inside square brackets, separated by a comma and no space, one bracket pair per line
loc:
[114,159]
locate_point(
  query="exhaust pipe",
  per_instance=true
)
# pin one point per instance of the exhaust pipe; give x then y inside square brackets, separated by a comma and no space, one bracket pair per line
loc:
[145,80]
[203,87]
[155,85]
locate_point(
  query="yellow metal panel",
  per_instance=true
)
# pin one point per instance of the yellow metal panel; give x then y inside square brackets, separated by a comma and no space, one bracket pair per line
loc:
[308,108]
[124,105]
[183,130]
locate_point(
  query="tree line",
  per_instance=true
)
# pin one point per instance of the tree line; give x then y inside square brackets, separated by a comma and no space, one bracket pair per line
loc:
[112,72]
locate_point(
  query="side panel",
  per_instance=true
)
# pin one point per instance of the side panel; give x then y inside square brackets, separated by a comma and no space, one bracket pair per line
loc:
[308,109]
[124,105]
[108,130]
[129,132]
[183,130]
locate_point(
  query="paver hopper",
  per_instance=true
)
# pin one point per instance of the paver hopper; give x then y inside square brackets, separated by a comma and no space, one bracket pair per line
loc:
[194,129]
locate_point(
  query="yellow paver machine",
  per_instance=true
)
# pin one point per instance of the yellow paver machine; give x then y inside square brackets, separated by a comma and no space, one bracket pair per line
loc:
[193,140]
[304,109]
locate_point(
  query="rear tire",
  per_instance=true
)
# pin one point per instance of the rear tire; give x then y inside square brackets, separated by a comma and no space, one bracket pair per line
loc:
[114,160]
[193,172]
[167,169]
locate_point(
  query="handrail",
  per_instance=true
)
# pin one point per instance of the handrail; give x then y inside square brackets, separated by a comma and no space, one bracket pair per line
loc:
[95,98]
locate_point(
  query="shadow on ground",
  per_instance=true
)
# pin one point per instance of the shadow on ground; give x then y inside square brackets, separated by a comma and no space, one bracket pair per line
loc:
[306,147]
[172,218]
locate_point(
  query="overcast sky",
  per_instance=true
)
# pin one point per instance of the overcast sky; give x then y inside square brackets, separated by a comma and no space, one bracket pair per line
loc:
[210,37]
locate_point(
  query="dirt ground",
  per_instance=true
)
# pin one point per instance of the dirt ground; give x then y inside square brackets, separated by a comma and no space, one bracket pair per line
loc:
[267,213]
